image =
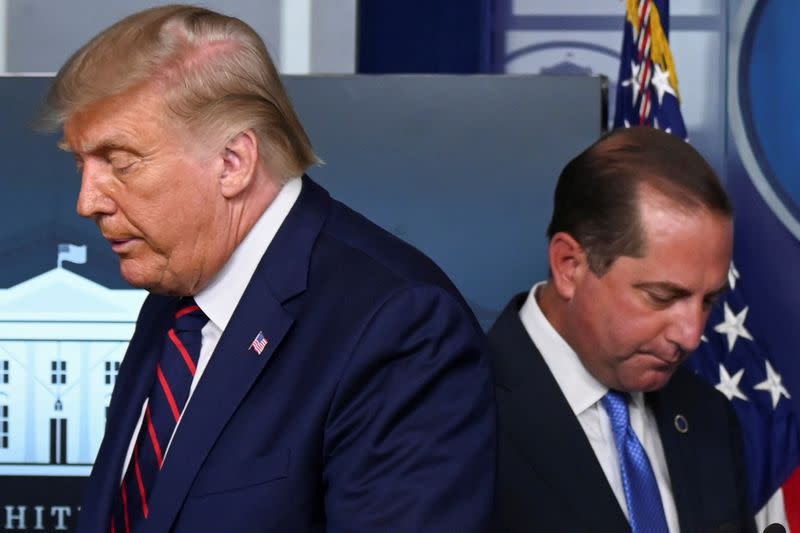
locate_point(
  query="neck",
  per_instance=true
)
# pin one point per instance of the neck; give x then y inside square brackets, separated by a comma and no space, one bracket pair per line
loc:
[248,208]
[552,307]
[236,221]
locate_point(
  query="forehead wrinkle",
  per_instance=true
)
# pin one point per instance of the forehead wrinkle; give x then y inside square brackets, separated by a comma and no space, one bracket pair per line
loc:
[90,142]
[118,122]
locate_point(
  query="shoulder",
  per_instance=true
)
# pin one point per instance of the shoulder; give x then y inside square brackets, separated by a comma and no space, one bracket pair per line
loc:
[508,326]
[355,234]
[351,250]
[512,353]
[335,238]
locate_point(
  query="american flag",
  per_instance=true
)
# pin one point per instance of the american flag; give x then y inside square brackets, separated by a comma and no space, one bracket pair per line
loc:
[737,355]
[648,83]
[738,360]
[259,343]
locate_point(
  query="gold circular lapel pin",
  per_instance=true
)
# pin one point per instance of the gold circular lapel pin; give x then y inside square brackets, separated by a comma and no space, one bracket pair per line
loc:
[681,424]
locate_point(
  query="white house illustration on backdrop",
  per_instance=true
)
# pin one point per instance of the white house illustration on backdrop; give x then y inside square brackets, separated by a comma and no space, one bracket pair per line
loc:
[62,338]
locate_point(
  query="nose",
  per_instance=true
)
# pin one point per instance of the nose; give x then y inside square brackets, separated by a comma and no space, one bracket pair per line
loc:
[94,197]
[686,327]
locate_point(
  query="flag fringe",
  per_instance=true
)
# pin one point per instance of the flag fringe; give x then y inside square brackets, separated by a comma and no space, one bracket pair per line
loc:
[659,47]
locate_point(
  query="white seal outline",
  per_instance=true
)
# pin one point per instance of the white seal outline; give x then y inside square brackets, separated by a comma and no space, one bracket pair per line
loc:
[737,125]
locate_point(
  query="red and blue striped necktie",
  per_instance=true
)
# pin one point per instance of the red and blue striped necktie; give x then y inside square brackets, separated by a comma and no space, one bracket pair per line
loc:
[174,372]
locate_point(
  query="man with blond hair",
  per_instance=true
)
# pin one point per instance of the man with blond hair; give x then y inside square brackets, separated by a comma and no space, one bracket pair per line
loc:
[295,367]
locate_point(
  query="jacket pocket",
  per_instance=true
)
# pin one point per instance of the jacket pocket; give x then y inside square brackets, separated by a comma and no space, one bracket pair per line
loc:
[228,477]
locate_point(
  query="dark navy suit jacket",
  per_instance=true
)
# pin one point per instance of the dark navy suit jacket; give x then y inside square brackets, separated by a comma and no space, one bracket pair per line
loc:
[371,408]
[548,477]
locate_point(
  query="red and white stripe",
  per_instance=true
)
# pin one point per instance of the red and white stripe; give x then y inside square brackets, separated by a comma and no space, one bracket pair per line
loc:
[783,507]
[643,45]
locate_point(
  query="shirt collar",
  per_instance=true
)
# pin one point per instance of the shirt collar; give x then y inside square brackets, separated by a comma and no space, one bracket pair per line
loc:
[219,299]
[579,387]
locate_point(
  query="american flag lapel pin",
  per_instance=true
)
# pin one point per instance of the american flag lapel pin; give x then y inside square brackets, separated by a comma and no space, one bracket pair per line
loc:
[259,343]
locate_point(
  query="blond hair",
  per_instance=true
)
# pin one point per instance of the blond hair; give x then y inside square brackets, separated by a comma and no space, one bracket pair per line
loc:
[213,71]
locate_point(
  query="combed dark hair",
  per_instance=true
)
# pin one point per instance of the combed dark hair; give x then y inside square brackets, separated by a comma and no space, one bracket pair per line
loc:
[597,195]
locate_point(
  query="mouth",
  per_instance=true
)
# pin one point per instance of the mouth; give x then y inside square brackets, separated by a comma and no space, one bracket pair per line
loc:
[121,246]
[665,362]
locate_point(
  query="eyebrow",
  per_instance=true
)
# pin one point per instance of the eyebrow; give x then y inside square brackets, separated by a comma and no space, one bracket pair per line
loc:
[719,291]
[114,143]
[677,290]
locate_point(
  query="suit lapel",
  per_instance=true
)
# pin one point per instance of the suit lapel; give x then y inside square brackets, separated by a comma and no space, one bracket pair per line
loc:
[230,373]
[132,386]
[281,275]
[542,425]
[667,404]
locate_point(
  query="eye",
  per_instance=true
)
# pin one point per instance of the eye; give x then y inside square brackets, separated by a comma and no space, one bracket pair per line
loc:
[122,169]
[660,299]
[122,162]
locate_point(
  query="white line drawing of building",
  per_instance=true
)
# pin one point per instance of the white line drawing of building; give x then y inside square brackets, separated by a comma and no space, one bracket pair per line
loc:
[62,338]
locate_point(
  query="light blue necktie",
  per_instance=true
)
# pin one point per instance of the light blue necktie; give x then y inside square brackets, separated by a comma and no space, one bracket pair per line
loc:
[641,489]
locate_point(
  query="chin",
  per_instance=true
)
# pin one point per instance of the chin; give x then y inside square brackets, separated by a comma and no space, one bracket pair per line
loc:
[136,277]
[154,280]
[652,380]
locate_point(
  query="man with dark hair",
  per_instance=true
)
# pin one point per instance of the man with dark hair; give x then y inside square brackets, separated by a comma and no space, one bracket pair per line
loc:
[295,367]
[600,428]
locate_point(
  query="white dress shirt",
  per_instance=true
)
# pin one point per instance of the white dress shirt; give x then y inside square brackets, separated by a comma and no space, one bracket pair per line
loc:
[219,299]
[583,394]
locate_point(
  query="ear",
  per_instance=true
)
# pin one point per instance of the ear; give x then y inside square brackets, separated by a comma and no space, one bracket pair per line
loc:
[568,263]
[239,163]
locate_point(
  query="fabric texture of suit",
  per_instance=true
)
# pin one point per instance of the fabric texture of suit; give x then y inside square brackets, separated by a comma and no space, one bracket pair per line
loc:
[548,478]
[370,409]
